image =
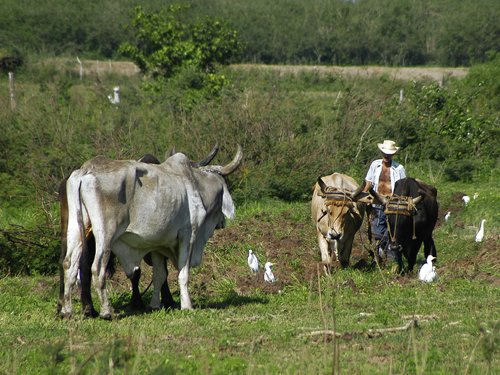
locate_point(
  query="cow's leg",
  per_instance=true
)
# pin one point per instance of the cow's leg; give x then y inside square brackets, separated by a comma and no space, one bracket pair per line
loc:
[183,278]
[345,248]
[159,278]
[130,259]
[103,252]
[136,301]
[412,255]
[166,296]
[429,247]
[324,248]
[86,260]
[71,265]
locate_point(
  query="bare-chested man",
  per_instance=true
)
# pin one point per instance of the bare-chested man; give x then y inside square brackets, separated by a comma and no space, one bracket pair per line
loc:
[382,176]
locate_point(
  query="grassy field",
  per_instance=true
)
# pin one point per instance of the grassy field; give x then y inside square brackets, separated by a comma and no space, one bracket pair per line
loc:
[242,325]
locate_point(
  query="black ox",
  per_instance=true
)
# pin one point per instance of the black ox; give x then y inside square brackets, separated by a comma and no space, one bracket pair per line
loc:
[412,213]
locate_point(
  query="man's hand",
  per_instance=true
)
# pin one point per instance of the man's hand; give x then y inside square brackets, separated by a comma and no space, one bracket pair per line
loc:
[368,186]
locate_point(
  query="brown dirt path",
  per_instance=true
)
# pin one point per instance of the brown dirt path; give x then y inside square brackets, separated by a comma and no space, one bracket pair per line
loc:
[399,73]
[127,68]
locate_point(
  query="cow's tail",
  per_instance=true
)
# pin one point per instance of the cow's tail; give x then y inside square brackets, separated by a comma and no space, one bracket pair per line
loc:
[74,215]
[63,200]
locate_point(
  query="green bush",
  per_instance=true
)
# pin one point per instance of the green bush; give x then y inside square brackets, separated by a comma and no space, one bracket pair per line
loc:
[460,170]
[30,252]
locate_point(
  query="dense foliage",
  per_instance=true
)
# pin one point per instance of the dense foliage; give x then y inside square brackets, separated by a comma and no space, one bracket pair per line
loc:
[164,44]
[383,32]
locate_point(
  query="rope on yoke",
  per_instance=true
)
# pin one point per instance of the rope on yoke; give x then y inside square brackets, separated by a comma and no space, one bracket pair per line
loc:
[400,205]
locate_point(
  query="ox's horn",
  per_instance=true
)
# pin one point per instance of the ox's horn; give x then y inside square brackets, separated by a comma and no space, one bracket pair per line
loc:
[417,199]
[322,185]
[208,158]
[170,153]
[358,191]
[233,164]
[378,197]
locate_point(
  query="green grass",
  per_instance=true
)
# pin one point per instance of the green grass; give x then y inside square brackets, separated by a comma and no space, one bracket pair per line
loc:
[240,325]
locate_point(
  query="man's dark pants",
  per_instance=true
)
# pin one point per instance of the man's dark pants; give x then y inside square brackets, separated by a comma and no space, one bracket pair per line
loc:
[381,235]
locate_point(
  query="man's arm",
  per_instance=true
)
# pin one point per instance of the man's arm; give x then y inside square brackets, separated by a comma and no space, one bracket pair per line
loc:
[368,185]
[370,177]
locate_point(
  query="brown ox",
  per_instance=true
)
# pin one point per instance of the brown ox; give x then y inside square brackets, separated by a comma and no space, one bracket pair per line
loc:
[337,216]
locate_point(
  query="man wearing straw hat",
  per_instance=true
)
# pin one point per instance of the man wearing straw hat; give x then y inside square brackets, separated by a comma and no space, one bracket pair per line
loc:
[382,176]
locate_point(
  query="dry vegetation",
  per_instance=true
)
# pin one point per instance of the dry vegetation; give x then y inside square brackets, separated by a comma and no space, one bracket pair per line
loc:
[438,74]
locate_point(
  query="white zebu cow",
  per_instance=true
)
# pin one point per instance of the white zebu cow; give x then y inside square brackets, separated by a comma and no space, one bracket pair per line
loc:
[169,209]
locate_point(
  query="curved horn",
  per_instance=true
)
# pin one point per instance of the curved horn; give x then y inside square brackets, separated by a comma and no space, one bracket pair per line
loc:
[377,196]
[233,164]
[208,158]
[170,153]
[322,185]
[358,191]
[417,199]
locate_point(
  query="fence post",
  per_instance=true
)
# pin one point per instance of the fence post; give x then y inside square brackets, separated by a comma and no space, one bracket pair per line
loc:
[11,92]
[81,67]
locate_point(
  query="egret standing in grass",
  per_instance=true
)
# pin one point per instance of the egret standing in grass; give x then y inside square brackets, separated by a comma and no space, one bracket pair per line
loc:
[268,275]
[480,232]
[115,99]
[427,272]
[447,216]
[466,199]
[253,262]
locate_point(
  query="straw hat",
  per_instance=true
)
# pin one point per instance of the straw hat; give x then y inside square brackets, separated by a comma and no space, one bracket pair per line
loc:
[388,147]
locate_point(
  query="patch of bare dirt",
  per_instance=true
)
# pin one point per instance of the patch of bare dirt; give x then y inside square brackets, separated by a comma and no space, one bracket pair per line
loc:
[127,68]
[470,267]
[282,241]
[404,73]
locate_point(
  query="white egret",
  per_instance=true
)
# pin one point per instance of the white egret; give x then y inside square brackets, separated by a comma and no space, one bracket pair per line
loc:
[115,99]
[447,216]
[466,199]
[480,232]
[268,275]
[427,272]
[253,262]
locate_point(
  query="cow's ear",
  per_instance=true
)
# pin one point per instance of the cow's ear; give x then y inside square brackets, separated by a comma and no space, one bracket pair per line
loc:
[227,203]
[322,185]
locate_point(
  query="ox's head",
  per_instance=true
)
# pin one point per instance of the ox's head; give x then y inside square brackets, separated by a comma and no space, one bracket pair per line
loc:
[340,210]
[221,172]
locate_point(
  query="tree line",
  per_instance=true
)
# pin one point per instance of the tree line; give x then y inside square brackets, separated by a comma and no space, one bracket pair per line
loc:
[380,32]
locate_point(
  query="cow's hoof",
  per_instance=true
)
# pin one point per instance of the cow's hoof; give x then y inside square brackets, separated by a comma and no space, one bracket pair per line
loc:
[65,315]
[171,305]
[90,313]
[396,269]
[107,316]
[138,306]
[150,309]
